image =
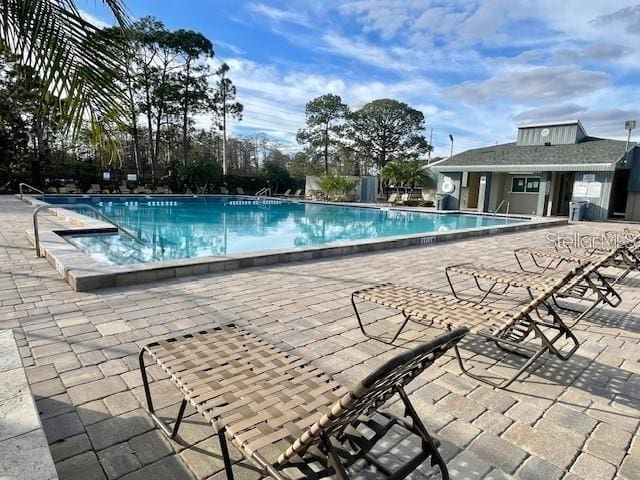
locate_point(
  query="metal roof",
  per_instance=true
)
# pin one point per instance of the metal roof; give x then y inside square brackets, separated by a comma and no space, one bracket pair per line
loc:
[591,154]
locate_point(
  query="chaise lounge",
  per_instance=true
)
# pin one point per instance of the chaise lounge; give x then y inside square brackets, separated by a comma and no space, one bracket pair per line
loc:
[512,331]
[591,287]
[285,416]
[623,258]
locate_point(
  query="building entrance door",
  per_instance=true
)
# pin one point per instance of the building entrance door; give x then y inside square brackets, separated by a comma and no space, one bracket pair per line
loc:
[474,187]
[619,191]
[563,194]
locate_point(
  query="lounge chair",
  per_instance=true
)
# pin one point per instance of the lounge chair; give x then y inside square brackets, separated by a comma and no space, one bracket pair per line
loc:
[590,286]
[285,194]
[394,199]
[509,330]
[624,258]
[283,414]
[240,190]
[224,190]
[95,188]
[299,193]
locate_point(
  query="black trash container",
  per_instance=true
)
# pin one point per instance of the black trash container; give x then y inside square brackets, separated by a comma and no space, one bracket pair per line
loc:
[441,201]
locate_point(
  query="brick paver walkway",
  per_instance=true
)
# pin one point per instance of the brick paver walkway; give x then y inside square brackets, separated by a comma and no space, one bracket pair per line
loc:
[572,420]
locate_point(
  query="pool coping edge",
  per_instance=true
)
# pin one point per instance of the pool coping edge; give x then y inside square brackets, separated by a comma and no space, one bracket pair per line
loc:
[84,273]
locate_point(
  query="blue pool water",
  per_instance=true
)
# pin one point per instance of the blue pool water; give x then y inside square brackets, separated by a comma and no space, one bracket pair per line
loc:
[186,227]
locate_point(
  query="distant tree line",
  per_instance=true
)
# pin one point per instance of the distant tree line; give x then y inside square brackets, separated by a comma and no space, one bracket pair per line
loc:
[169,83]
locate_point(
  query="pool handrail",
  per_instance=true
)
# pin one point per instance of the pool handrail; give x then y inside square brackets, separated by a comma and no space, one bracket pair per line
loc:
[31,187]
[102,216]
[495,212]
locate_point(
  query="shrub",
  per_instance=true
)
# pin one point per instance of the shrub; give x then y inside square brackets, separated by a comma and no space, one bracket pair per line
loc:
[201,177]
[337,187]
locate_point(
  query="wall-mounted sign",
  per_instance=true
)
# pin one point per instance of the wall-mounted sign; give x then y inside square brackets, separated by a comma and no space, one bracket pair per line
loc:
[587,189]
[580,189]
[594,189]
[106,176]
[588,177]
[132,177]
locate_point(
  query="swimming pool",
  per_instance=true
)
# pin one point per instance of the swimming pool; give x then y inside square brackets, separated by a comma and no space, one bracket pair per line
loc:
[169,228]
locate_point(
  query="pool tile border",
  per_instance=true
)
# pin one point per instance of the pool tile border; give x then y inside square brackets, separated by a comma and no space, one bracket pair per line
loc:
[84,273]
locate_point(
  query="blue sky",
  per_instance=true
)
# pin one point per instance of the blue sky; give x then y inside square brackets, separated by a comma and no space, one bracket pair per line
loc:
[475,68]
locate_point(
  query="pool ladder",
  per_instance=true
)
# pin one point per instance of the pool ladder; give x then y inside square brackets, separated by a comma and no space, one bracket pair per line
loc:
[71,206]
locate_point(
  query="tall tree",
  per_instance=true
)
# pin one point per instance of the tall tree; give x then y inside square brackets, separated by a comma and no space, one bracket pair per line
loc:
[14,126]
[387,130]
[224,104]
[194,48]
[156,63]
[325,116]
[135,38]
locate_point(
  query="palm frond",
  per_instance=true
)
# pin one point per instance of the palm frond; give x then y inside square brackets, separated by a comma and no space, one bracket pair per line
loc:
[74,61]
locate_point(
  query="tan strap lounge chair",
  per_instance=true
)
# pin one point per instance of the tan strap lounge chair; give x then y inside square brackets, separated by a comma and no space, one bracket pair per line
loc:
[589,285]
[286,416]
[240,190]
[393,199]
[298,193]
[509,330]
[551,259]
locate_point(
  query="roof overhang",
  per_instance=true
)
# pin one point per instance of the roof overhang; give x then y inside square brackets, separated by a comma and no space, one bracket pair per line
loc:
[535,167]
[552,124]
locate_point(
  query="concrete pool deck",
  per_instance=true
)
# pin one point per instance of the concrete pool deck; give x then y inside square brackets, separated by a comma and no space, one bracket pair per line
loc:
[84,273]
[571,420]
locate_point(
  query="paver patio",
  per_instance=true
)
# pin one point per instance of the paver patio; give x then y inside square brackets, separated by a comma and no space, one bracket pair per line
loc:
[573,420]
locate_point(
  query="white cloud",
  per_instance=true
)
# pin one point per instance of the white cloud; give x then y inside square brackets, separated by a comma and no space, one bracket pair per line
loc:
[390,58]
[628,16]
[476,68]
[288,15]
[533,84]
[92,19]
[228,46]
[558,112]
[386,17]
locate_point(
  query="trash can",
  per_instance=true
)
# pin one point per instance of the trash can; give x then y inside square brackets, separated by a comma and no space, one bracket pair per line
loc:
[441,201]
[577,211]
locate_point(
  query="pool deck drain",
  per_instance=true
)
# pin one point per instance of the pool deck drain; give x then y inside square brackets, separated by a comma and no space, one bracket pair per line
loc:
[84,273]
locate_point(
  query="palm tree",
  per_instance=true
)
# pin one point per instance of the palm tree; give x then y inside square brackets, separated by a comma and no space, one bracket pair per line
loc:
[393,174]
[415,172]
[70,56]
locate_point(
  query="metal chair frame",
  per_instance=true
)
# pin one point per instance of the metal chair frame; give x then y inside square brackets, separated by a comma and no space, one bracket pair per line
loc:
[386,382]
[508,340]
[624,259]
[594,282]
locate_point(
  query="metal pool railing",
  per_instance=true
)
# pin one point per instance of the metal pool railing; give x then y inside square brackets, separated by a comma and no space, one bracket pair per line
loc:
[30,187]
[101,216]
